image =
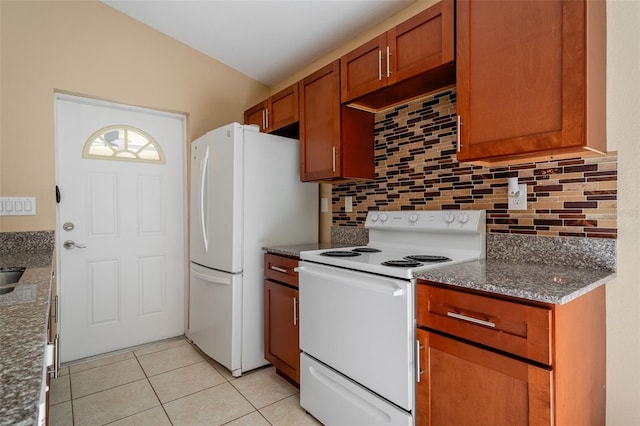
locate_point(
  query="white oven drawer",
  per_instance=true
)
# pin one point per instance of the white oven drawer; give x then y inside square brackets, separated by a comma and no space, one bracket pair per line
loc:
[335,400]
[362,326]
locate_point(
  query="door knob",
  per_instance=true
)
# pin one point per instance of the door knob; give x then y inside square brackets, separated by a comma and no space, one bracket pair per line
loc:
[71,244]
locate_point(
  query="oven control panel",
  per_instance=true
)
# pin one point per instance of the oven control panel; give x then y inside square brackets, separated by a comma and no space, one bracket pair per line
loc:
[431,220]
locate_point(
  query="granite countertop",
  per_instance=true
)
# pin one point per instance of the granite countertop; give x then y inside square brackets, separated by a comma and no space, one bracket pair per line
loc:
[294,250]
[560,271]
[556,284]
[23,328]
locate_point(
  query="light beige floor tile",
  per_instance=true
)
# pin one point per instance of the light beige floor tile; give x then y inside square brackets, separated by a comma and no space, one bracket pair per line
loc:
[114,404]
[185,381]
[60,390]
[288,412]
[160,346]
[105,377]
[253,419]
[221,369]
[153,417]
[99,362]
[213,406]
[63,371]
[169,359]
[264,387]
[60,414]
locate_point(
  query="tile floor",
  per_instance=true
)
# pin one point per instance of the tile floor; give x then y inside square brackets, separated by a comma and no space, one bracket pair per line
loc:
[170,383]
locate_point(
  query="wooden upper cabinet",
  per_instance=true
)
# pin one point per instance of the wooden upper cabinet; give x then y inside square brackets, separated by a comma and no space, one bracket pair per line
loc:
[278,112]
[257,114]
[364,69]
[530,80]
[418,53]
[336,142]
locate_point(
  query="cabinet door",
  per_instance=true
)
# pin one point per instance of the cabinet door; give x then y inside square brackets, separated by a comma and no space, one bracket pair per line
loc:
[422,384]
[320,124]
[463,385]
[336,142]
[257,114]
[421,43]
[283,110]
[364,69]
[281,339]
[521,78]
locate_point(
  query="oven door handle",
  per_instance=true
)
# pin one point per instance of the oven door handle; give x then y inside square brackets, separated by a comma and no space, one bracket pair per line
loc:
[372,285]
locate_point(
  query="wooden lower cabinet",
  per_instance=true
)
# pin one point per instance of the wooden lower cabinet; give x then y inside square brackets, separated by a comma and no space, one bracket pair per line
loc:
[468,385]
[281,335]
[490,360]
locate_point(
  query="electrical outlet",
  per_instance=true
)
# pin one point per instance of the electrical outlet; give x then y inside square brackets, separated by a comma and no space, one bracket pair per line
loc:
[520,202]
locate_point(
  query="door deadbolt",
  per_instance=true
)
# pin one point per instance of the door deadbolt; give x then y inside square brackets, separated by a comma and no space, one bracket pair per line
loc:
[68,226]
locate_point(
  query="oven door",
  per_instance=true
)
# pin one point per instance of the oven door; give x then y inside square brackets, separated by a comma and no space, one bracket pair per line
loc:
[361,325]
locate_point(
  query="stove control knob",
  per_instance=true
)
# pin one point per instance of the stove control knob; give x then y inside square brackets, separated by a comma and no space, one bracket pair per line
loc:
[449,218]
[463,218]
[413,218]
[374,217]
[384,217]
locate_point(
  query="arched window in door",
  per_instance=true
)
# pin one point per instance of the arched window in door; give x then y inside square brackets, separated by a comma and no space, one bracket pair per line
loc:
[123,143]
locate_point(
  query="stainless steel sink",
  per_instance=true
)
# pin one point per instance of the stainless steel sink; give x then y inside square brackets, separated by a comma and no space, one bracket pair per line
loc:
[10,275]
[8,279]
[6,289]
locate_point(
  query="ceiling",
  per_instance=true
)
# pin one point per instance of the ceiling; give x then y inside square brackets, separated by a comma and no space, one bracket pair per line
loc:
[267,40]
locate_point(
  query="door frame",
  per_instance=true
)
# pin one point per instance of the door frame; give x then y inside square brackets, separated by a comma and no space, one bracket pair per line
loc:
[58,95]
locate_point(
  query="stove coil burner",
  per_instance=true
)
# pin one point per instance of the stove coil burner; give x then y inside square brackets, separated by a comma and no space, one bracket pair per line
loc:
[339,253]
[367,250]
[427,258]
[402,263]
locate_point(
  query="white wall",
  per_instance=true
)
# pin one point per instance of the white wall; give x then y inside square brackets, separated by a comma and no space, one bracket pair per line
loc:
[623,135]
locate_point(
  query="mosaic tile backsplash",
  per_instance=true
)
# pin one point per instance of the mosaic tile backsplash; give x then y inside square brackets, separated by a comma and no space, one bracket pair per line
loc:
[416,168]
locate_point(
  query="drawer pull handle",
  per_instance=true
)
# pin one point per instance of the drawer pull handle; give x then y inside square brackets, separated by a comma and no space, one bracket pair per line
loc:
[279,269]
[471,319]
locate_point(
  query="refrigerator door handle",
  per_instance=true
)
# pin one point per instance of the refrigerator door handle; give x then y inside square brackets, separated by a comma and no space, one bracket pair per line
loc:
[203,167]
[211,279]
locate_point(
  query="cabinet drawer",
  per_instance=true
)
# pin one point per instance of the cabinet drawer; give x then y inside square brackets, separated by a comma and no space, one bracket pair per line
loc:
[512,327]
[281,268]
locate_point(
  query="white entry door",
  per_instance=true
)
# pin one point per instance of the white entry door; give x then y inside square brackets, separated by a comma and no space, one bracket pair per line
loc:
[120,234]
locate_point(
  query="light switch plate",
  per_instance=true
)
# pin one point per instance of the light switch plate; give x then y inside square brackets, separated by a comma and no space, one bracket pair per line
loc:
[324,205]
[348,204]
[17,206]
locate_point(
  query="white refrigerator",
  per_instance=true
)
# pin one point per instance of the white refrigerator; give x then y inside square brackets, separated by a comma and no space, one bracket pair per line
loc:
[245,194]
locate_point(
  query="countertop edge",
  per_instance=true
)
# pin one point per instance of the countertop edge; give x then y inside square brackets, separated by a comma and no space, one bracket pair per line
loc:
[547,287]
[22,380]
[552,284]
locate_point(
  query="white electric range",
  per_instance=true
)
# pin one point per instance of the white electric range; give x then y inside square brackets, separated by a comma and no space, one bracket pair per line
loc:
[357,314]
